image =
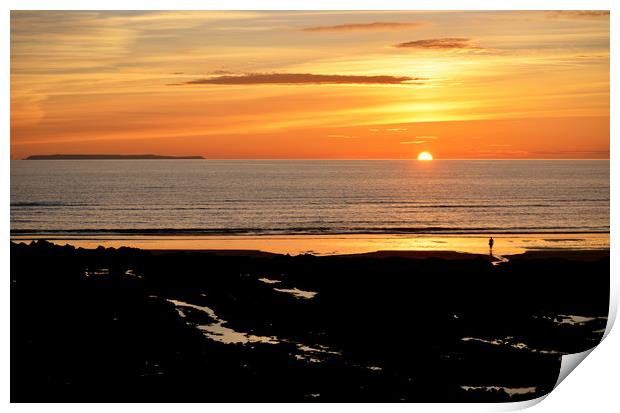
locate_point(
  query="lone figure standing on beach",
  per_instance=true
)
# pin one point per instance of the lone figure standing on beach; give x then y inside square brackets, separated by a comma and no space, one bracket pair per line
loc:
[491,242]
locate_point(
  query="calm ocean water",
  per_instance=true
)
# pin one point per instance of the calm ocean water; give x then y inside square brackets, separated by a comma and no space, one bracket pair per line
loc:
[308,197]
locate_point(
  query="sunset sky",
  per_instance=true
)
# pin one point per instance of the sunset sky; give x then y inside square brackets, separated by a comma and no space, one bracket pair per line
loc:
[304,84]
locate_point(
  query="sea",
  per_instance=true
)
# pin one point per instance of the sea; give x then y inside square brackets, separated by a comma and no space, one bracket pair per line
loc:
[103,198]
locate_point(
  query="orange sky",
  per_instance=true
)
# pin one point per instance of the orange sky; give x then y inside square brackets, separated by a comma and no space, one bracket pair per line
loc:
[300,84]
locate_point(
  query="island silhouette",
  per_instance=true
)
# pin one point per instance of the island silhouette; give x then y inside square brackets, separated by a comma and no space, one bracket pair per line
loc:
[105,156]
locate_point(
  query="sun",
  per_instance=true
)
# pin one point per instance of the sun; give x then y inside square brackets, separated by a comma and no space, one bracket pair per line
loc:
[425,156]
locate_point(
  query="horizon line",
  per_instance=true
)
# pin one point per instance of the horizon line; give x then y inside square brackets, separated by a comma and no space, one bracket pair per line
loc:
[339,159]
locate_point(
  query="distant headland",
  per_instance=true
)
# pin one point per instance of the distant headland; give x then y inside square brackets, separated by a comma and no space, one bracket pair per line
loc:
[97,157]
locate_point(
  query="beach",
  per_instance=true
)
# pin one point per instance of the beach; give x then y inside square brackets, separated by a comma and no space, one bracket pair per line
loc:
[124,324]
[303,280]
[345,206]
[505,244]
[475,243]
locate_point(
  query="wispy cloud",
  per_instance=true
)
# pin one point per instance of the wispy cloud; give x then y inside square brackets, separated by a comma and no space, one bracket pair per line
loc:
[445,43]
[578,14]
[301,78]
[572,153]
[222,72]
[419,139]
[499,152]
[343,136]
[376,26]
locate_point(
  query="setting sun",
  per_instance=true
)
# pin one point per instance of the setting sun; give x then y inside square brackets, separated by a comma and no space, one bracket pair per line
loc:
[197,164]
[425,156]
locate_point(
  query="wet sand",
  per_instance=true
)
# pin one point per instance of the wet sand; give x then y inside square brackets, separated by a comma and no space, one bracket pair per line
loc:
[505,244]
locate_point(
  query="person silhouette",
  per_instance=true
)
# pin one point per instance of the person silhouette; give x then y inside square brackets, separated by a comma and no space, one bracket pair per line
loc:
[491,242]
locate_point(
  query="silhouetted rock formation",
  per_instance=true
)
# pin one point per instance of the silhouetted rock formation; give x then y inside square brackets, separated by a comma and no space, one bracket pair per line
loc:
[125,325]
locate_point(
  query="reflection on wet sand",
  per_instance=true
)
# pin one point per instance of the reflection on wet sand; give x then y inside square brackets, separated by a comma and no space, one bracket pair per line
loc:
[95,272]
[511,391]
[510,343]
[296,292]
[269,281]
[575,319]
[505,244]
[591,324]
[216,331]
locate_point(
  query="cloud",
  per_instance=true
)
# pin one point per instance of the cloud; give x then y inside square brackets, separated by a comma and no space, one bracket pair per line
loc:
[502,152]
[396,129]
[222,72]
[301,78]
[575,152]
[419,139]
[578,14]
[364,27]
[445,43]
[343,136]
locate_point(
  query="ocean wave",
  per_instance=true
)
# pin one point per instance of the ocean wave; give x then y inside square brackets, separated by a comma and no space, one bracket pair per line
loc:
[249,205]
[309,231]
[38,204]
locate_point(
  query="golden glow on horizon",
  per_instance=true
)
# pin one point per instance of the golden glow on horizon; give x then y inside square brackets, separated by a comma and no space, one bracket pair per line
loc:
[332,84]
[425,156]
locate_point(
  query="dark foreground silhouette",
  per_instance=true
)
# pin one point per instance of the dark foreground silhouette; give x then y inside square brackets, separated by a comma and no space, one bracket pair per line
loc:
[125,325]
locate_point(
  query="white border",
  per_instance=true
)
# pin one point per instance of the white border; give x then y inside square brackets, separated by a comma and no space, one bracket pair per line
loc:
[593,387]
[311,5]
